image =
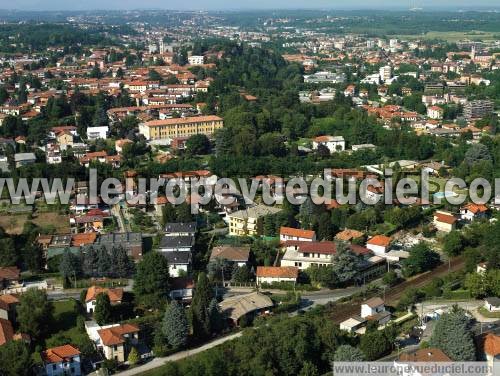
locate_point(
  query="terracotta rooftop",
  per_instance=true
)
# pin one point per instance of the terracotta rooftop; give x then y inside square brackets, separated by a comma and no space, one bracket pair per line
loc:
[476,208]
[6,331]
[115,295]
[492,344]
[380,240]
[231,253]
[78,240]
[299,233]
[426,355]
[59,354]
[277,271]
[10,273]
[115,335]
[445,218]
[348,235]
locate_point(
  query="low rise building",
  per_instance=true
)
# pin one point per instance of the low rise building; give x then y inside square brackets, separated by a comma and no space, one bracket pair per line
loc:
[271,274]
[61,361]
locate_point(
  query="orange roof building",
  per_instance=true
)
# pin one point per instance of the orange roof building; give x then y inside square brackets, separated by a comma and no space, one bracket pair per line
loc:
[289,233]
[269,274]
[116,335]
[65,353]
[115,296]
[6,331]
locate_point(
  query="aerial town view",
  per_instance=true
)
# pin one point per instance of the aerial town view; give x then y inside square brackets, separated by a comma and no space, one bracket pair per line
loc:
[296,188]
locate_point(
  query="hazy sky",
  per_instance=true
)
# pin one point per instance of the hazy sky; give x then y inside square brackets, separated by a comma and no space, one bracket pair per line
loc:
[237,4]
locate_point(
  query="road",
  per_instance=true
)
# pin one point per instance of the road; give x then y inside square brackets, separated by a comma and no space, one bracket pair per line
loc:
[158,362]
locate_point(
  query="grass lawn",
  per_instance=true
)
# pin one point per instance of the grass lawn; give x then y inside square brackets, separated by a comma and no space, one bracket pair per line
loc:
[13,224]
[64,315]
[491,315]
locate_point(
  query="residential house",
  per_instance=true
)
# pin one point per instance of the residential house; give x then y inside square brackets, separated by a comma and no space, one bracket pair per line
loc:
[306,254]
[62,360]
[115,296]
[353,324]
[181,229]
[435,112]
[371,307]
[232,254]
[431,355]
[9,276]
[492,304]
[271,274]
[489,346]
[176,243]
[131,241]
[289,233]
[444,221]
[181,288]
[179,262]
[473,211]
[349,235]
[250,221]
[116,341]
[96,133]
[254,303]
[6,331]
[23,159]
[332,143]
[379,244]
[8,304]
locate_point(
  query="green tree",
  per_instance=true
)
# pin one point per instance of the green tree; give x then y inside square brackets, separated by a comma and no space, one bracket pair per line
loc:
[453,243]
[198,144]
[133,356]
[374,344]
[175,326]
[390,278]
[8,254]
[452,334]
[200,315]
[421,259]
[151,285]
[348,353]
[15,359]
[345,263]
[215,315]
[102,312]
[34,314]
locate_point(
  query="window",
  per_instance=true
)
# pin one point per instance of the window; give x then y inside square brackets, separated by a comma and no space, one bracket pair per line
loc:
[54,366]
[115,347]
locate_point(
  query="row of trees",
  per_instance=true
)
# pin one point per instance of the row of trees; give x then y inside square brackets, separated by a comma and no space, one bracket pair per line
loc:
[96,261]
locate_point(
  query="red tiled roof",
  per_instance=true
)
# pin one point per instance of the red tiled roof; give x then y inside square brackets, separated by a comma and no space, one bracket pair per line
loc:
[115,295]
[445,218]
[476,208]
[299,233]
[492,344]
[278,271]
[10,273]
[6,331]
[114,335]
[379,240]
[348,235]
[59,354]
[426,355]
[78,240]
